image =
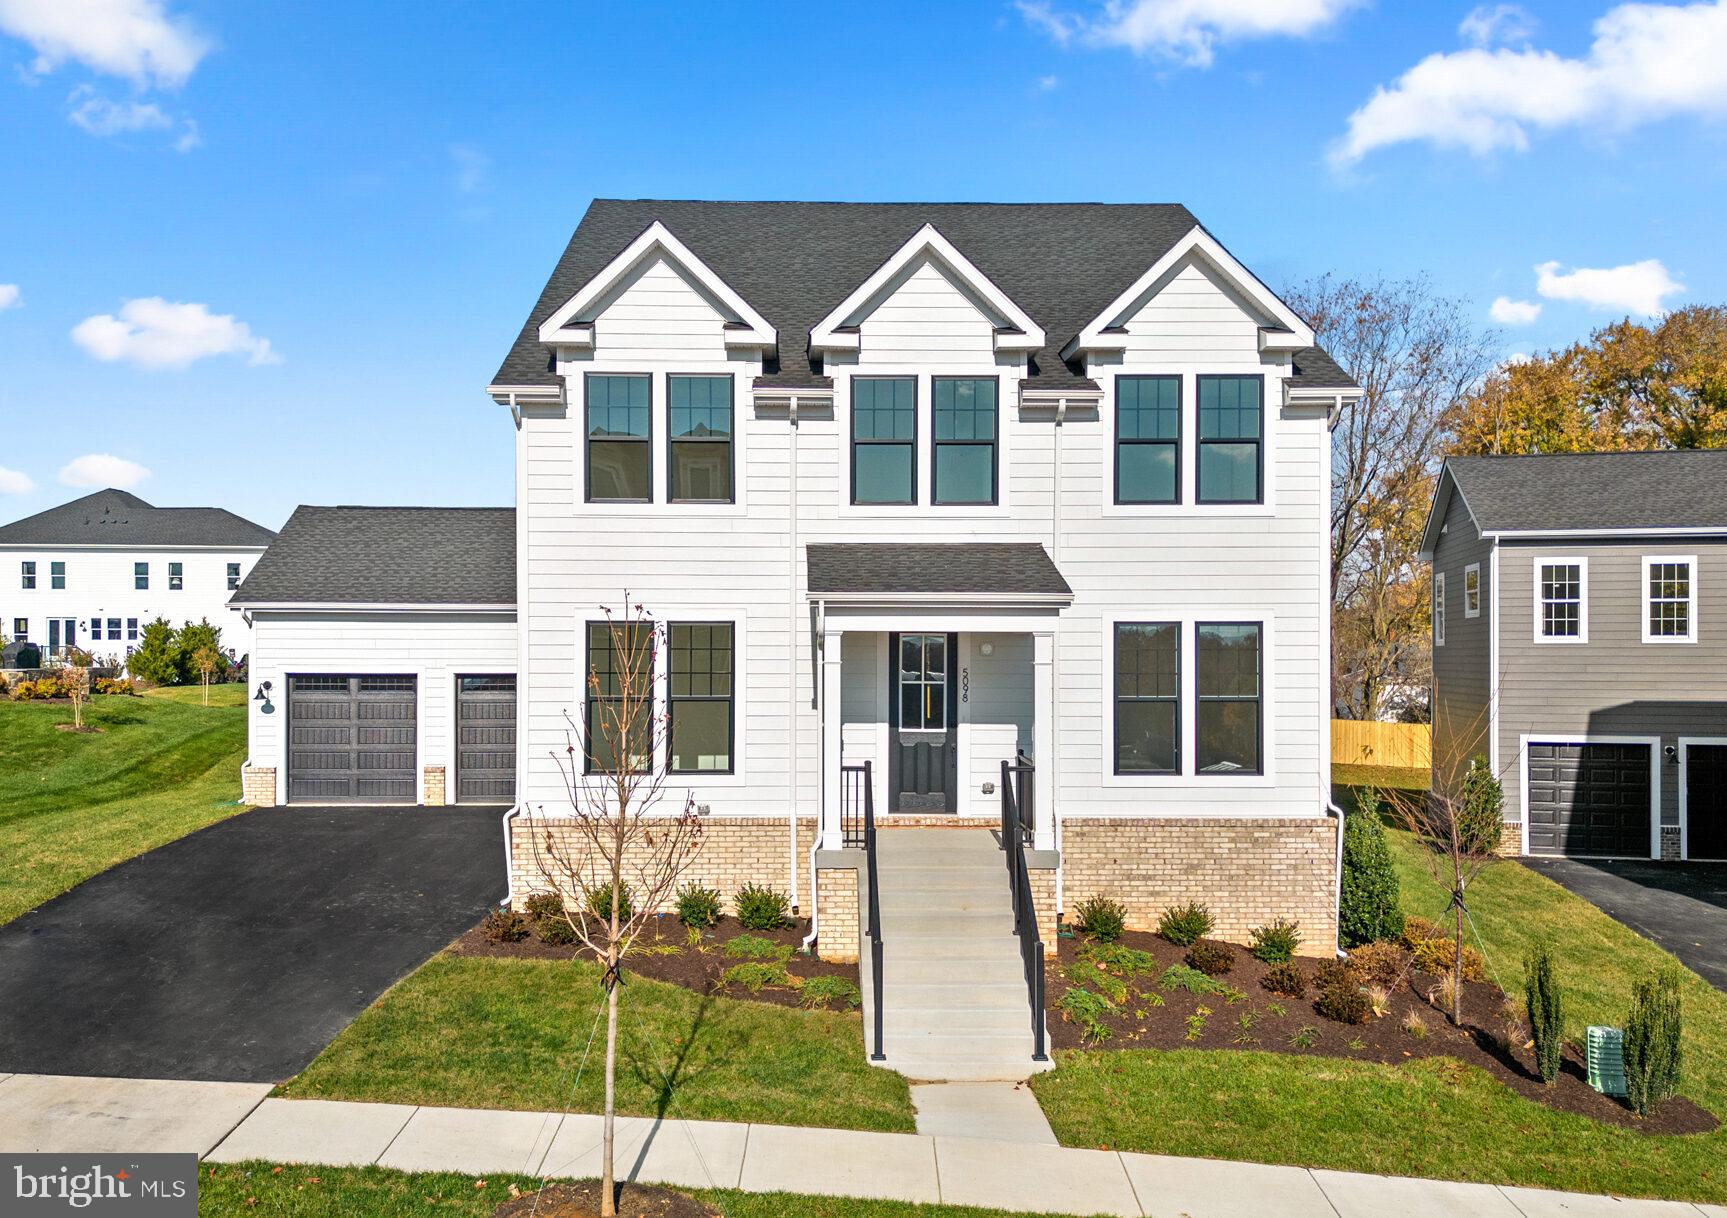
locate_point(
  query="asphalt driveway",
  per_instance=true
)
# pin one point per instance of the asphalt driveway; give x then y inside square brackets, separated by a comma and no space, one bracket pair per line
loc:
[240,951]
[1681,906]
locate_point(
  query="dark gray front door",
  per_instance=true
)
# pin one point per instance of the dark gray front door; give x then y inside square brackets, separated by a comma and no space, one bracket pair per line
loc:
[1706,801]
[351,739]
[923,752]
[1589,799]
[486,739]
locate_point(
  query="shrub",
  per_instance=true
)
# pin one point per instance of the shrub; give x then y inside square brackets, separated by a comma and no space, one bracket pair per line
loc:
[546,912]
[1480,809]
[1368,906]
[504,926]
[1335,972]
[1378,1001]
[1124,961]
[1541,1001]
[1210,957]
[157,656]
[1440,955]
[1652,1034]
[756,975]
[1101,918]
[1383,963]
[1345,1003]
[1276,942]
[114,685]
[1419,930]
[1444,995]
[1304,1037]
[1185,925]
[698,907]
[761,908]
[1286,979]
[544,905]
[825,991]
[1414,1025]
[1085,973]
[1087,1011]
[754,947]
[1181,977]
[599,903]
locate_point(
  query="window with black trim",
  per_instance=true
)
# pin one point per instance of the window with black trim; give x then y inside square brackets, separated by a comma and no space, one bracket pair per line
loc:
[620,657]
[700,429]
[700,687]
[141,576]
[176,577]
[1228,673]
[1148,698]
[619,438]
[27,575]
[1148,439]
[884,439]
[114,629]
[1231,425]
[56,575]
[233,576]
[96,629]
[965,422]
[131,630]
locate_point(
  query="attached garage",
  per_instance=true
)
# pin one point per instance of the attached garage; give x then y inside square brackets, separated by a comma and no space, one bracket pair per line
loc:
[352,738]
[1589,799]
[486,739]
[1704,800]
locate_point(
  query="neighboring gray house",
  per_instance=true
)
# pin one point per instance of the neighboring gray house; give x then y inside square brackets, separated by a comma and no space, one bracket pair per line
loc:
[1580,646]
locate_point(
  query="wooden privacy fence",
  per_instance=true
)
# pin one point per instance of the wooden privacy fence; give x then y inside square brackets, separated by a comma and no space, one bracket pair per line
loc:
[1406,746]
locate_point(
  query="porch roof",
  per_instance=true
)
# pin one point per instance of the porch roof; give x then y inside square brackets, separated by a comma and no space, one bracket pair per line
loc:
[974,568]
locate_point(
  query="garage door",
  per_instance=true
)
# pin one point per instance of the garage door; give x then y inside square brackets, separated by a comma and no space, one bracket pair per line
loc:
[351,739]
[486,739]
[1706,801]
[1589,799]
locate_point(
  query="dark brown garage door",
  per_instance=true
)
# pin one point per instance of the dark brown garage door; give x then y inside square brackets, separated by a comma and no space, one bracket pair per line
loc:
[486,739]
[1589,799]
[1706,801]
[351,739]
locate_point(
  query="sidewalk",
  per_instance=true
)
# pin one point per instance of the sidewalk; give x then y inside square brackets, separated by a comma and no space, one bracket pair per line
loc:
[226,1122]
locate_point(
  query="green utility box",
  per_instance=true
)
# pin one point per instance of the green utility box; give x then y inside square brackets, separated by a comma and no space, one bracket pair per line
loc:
[1606,1052]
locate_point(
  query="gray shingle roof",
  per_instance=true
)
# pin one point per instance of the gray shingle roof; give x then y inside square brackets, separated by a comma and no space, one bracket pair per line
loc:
[960,568]
[388,556]
[119,518]
[1637,490]
[1314,368]
[795,262]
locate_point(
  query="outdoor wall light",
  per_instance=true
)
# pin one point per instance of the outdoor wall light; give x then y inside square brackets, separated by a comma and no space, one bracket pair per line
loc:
[1671,753]
[263,695]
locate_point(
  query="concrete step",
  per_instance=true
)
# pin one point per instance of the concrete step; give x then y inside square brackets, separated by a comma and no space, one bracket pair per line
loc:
[966,1069]
[935,910]
[909,965]
[911,945]
[937,884]
[965,1022]
[934,993]
[957,927]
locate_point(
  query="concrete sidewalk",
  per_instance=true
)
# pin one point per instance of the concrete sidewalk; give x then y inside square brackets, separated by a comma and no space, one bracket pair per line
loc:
[229,1122]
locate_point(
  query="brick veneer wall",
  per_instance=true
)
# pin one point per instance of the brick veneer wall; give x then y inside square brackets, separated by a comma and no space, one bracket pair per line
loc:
[1048,917]
[1246,872]
[837,896]
[435,786]
[1510,839]
[1669,843]
[258,786]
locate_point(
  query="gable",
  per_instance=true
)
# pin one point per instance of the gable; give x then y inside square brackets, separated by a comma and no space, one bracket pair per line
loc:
[658,312]
[1193,311]
[926,313]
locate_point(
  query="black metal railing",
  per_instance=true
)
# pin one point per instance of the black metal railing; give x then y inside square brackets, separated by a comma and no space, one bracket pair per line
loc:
[1016,835]
[854,790]
[857,829]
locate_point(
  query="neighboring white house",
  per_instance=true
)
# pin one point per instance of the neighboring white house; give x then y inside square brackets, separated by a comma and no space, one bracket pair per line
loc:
[91,573]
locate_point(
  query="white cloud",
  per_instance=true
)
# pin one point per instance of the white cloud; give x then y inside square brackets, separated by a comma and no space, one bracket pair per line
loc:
[10,297]
[1637,287]
[135,39]
[190,136]
[155,333]
[1187,31]
[15,482]
[1647,62]
[1490,25]
[99,116]
[473,168]
[1046,84]
[101,470]
[1509,312]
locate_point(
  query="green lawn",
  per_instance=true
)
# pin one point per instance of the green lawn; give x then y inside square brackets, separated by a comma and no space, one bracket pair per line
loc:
[343,1192]
[1385,777]
[502,1033]
[1427,1118]
[74,804]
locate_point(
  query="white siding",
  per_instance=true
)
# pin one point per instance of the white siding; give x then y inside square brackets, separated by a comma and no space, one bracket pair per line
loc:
[927,319]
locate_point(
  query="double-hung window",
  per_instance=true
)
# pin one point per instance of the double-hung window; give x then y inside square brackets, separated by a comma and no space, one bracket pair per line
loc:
[619,438]
[141,576]
[1670,599]
[700,684]
[884,439]
[131,630]
[1228,672]
[1231,425]
[27,575]
[1439,608]
[1148,439]
[176,577]
[21,629]
[114,629]
[56,575]
[1562,600]
[965,426]
[1472,590]
[701,438]
[1148,698]
[95,628]
[619,721]
[233,576]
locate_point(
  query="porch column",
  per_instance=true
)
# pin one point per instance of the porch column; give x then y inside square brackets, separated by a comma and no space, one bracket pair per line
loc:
[832,788]
[1043,737]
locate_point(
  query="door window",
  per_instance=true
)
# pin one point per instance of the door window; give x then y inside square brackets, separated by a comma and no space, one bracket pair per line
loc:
[923,682]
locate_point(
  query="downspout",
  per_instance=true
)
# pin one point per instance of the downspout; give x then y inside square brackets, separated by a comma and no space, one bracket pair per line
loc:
[509,860]
[1337,887]
[821,788]
[792,668]
[1055,667]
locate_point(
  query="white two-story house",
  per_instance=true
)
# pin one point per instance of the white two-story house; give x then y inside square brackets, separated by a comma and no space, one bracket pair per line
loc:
[93,572]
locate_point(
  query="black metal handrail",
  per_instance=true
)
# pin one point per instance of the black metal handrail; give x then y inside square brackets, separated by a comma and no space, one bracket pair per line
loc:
[857,829]
[854,789]
[1016,835]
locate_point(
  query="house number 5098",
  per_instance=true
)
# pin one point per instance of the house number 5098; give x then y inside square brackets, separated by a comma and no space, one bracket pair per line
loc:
[965,685]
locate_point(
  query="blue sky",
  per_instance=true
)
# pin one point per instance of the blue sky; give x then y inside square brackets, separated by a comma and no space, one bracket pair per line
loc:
[271,254]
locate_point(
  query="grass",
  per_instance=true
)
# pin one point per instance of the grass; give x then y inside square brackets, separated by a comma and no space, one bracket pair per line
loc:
[506,1033]
[1429,1117]
[342,1192]
[74,804]
[1385,777]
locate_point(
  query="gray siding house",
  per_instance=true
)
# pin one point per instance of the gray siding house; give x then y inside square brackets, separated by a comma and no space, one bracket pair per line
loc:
[1580,646]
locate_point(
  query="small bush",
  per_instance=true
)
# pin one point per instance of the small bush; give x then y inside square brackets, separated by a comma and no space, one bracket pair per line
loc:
[543,905]
[1383,963]
[698,907]
[1368,902]
[1185,925]
[1419,930]
[1181,977]
[1123,961]
[756,975]
[114,685]
[1304,1037]
[1344,1003]
[754,947]
[1101,918]
[1210,957]
[1196,1022]
[1285,979]
[1328,973]
[1439,955]
[504,926]
[1087,1011]
[1542,1003]
[761,908]
[554,931]
[1414,1025]
[1276,942]
[1653,1031]
[1480,809]
[600,903]
[830,991]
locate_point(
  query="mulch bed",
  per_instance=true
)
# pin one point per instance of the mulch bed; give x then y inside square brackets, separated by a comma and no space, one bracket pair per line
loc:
[698,969]
[1480,1042]
[582,1200]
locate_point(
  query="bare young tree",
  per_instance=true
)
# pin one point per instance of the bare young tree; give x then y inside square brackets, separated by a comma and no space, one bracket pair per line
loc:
[615,858]
[206,660]
[77,684]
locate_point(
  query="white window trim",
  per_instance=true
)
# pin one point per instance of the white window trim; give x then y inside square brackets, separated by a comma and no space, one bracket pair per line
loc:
[1474,569]
[1535,601]
[1437,610]
[1690,635]
[1655,760]
[1685,743]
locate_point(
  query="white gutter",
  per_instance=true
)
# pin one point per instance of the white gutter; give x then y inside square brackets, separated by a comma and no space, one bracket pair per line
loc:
[822,788]
[369,607]
[792,668]
[1054,812]
[1662,531]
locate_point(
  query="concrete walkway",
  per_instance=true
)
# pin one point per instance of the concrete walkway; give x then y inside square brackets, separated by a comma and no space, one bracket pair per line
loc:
[1000,1112]
[228,1122]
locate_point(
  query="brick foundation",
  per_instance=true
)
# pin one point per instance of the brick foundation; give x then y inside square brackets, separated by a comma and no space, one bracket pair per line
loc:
[1048,917]
[1669,843]
[1247,872]
[434,786]
[1510,840]
[837,904]
[258,786]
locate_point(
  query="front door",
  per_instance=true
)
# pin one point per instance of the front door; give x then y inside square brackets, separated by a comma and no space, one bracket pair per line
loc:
[923,752]
[62,633]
